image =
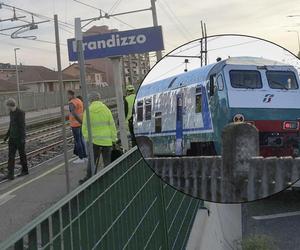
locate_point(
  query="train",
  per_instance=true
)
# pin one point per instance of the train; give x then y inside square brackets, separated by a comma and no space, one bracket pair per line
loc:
[185,114]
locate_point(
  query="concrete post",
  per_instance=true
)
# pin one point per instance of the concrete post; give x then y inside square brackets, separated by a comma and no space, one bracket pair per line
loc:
[240,143]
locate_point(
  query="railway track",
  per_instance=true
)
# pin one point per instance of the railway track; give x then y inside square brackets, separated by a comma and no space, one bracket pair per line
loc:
[40,155]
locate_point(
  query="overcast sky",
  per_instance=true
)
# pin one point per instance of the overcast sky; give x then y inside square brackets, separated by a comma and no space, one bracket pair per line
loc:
[180,20]
[220,46]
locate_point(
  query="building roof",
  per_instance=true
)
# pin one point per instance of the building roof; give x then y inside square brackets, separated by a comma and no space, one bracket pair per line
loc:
[32,74]
[7,86]
[88,69]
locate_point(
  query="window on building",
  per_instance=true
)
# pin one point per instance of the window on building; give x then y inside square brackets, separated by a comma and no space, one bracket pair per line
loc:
[148,108]
[140,111]
[158,124]
[198,100]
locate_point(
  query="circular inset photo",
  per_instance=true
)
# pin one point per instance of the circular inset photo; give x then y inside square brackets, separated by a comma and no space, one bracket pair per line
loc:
[218,118]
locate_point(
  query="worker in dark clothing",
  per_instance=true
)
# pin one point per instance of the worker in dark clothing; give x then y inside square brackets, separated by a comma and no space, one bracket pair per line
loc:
[128,105]
[16,139]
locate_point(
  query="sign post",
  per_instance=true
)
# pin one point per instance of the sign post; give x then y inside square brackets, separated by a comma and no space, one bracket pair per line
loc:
[79,48]
[116,63]
[61,90]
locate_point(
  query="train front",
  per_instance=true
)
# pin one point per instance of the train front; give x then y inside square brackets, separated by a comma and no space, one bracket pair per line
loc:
[267,95]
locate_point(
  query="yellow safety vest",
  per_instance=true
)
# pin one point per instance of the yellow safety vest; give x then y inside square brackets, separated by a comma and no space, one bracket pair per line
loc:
[104,131]
[130,101]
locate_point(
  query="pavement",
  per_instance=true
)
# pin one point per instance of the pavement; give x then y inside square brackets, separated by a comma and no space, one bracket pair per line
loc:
[277,217]
[26,197]
[218,228]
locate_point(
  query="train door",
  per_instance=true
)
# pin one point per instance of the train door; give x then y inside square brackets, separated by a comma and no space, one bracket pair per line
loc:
[179,124]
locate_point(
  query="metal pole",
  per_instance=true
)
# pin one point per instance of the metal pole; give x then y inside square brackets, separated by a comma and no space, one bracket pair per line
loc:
[155,23]
[80,55]
[17,77]
[120,104]
[61,89]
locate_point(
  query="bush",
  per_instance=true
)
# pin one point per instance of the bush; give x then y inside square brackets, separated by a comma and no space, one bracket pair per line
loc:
[257,242]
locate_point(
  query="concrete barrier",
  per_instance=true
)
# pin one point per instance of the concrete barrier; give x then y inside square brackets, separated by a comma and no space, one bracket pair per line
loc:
[236,176]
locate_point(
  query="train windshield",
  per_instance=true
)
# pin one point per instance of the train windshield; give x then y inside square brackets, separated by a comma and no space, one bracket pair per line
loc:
[247,79]
[282,80]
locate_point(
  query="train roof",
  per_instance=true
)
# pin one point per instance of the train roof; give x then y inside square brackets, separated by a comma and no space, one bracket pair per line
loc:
[200,74]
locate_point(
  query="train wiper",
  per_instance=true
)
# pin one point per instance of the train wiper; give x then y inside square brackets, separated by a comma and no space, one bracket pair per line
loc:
[280,84]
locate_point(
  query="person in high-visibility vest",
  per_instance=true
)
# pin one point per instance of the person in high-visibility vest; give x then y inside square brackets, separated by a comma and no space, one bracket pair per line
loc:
[75,119]
[104,133]
[128,105]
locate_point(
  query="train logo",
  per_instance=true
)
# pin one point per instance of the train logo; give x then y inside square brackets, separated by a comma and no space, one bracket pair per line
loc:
[268,98]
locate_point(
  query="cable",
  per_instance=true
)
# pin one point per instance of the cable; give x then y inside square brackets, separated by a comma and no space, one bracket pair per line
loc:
[115,5]
[172,69]
[181,25]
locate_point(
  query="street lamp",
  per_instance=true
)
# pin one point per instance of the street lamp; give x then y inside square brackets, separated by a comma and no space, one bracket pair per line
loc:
[17,77]
[295,31]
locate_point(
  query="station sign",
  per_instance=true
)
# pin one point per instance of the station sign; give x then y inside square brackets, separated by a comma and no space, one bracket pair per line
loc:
[118,43]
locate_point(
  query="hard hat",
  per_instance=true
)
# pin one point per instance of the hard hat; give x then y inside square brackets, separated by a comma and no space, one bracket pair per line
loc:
[130,88]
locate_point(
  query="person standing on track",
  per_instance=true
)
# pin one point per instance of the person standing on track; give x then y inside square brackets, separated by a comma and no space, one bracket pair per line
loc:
[75,119]
[128,105]
[104,133]
[16,139]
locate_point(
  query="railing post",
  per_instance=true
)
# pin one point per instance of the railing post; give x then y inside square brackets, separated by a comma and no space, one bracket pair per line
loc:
[240,142]
[163,219]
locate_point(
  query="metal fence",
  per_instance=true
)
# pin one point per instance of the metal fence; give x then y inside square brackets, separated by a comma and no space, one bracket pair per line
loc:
[32,101]
[125,206]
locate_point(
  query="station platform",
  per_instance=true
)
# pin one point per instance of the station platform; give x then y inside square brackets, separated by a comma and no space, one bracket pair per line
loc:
[26,197]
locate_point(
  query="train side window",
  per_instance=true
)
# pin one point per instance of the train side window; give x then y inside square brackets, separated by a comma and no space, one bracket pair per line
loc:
[198,100]
[220,82]
[148,107]
[158,122]
[140,111]
[212,84]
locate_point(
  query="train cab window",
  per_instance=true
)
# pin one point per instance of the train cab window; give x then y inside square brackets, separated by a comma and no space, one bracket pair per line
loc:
[282,80]
[158,122]
[148,107]
[245,79]
[140,111]
[220,82]
[198,100]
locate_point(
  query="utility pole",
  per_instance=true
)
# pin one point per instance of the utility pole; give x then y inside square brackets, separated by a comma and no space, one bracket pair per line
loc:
[17,77]
[155,23]
[80,56]
[62,111]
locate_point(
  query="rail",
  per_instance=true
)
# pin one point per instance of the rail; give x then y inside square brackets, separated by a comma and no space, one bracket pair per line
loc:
[124,206]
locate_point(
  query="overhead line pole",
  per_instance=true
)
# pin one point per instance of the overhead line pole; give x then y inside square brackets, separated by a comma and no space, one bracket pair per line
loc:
[62,111]
[155,23]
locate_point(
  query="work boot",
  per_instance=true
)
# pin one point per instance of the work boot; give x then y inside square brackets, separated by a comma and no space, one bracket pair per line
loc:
[9,177]
[83,180]
[23,173]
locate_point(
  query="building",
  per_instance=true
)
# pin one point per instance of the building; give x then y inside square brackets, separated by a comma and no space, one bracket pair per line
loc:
[41,79]
[93,76]
[134,67]
[8,86]
[7,71]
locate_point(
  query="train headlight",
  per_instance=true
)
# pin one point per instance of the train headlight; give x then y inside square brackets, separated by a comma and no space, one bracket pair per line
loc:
[238,118]
[291,125]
